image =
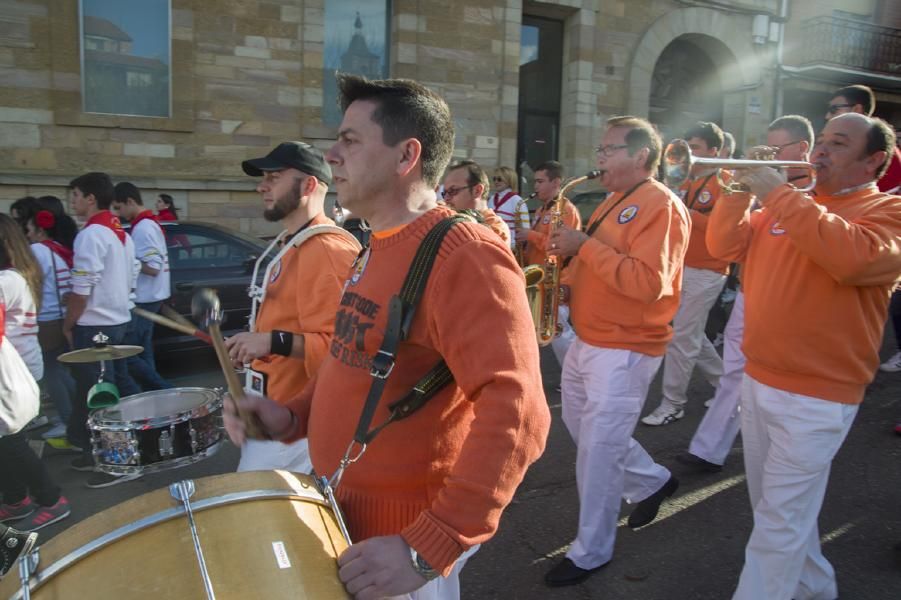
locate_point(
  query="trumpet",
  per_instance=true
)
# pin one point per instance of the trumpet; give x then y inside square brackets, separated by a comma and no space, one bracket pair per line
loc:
[678,163]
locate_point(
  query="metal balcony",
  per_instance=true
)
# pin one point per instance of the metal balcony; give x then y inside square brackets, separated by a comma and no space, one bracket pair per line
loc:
[844,43]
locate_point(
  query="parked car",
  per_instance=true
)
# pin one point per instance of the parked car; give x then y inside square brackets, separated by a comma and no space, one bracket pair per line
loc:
[205,255]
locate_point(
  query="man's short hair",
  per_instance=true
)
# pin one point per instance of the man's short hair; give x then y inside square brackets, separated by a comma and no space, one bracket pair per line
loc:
[707,131]
[98,184]
[880,138]
[474,174]
[729,143]
[125,190]
[406,109]
[553,169]
[641,134]
[799,127]
[858,94]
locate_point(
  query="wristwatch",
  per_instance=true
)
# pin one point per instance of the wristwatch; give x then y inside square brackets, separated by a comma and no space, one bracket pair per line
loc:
[421,566]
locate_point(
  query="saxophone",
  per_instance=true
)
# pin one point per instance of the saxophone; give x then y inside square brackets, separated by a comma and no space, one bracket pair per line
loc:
[547,291]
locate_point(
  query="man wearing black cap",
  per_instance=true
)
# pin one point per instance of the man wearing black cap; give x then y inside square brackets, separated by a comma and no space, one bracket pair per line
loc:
[294,304]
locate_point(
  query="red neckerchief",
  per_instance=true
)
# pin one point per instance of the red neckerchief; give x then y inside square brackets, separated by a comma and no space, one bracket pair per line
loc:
[145,214]
[166,215]
[108,219]
[61,251]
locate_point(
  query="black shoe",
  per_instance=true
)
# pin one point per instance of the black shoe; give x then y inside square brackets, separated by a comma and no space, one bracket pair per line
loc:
[14,544]
[647,509]
[85,463]
[699,464]
[567,573]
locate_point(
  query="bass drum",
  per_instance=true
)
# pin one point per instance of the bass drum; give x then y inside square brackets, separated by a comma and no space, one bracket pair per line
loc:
[260,534]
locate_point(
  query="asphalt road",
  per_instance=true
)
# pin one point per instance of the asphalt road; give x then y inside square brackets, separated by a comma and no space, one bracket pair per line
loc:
[693,551]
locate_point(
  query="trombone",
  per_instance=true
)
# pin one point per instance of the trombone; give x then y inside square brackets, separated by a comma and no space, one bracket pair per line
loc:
[678,163]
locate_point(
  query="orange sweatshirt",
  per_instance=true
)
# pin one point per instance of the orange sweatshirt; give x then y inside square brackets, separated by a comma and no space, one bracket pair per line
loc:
[817,278]
[700,196]
[626,279]
[536,249]
[301,297]
[442,477]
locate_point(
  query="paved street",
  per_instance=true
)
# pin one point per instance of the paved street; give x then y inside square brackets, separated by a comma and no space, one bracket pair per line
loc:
[694,551]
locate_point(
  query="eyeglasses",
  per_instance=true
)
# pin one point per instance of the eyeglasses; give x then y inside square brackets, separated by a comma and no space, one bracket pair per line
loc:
[609,149]
[834,108]
[781,147]
[498,179]
[449,193]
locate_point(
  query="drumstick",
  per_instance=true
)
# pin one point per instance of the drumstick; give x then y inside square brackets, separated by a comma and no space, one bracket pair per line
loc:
[171,313]
[166,322]
[207,310]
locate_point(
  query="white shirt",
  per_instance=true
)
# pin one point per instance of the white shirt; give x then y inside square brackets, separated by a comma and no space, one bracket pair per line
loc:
[150,249]
[507,211]
[57,282]
[104,271]
[21,320]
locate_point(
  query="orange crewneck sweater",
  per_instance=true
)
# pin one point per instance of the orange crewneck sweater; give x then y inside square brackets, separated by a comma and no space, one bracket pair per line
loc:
[626,280]
[817,279]
[301,297]
[700,196]
[442,477]
[537,236]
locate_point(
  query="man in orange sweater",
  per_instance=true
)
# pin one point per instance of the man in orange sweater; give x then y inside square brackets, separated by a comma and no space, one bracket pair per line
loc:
[548,180]
[624,283]
[307,265]
[466,188]
[818,273]
[702,283]
[431,487]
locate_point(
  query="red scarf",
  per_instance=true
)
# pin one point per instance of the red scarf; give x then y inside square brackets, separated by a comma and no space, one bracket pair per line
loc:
[166,215]
[145,214]
[108,219]
[61,251]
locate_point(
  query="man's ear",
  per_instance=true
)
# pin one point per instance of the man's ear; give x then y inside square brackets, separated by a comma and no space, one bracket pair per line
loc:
[410,156]
[875,161]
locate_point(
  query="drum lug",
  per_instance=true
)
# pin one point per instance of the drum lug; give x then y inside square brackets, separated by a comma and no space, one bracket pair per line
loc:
[193,433]
[28,564]
[165,442]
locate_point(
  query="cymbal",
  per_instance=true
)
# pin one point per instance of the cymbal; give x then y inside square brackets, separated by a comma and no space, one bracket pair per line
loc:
[98,353]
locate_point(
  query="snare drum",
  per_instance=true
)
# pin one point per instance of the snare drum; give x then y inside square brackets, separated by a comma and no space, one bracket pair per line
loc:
[260,534]
[157,430]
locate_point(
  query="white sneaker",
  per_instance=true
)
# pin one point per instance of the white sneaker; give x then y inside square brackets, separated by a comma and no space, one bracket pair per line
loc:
[892,365]
[57,431]
[663,415]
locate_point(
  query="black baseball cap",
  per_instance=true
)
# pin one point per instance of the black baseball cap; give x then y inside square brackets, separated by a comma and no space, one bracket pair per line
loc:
[297,155]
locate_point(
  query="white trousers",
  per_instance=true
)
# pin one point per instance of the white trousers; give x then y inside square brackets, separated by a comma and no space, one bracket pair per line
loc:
[789,443]
[442,588]
[690,346]
[263,455]
[715,435]
[603,393]
[562,342]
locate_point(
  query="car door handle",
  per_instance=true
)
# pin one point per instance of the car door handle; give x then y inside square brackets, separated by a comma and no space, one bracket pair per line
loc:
[184,286]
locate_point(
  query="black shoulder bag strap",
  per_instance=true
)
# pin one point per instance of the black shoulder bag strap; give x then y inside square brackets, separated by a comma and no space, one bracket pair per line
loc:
[401,310]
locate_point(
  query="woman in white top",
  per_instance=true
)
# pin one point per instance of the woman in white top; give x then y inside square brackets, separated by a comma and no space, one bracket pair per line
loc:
[55,260]
[506,203]
[30,497]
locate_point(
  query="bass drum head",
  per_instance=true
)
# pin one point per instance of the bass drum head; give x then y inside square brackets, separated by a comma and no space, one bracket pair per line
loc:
[155,405]
[263,534]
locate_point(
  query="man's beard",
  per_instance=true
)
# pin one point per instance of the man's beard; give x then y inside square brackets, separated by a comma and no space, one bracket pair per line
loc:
[285,205]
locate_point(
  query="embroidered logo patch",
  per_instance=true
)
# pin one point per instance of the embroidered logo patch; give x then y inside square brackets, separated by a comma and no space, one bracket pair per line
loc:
[276,271]
[627,214]
[360,267]
[705,197]
[546,219]
[776,230]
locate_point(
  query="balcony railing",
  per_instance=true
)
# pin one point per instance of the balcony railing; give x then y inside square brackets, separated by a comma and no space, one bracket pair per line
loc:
[846,43]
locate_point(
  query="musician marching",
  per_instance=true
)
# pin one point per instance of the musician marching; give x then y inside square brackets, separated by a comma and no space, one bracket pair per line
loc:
[293,314]
[466,188]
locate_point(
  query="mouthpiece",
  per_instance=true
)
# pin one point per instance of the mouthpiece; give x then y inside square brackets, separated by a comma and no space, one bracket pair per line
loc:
[593,174]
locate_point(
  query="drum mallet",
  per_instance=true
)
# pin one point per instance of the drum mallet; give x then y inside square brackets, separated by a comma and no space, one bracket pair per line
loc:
[207,310]
[171,324]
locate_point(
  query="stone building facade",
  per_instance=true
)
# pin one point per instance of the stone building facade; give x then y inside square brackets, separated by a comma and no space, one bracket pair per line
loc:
[247,74]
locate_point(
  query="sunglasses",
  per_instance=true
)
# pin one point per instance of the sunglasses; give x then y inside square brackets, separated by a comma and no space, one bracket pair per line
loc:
[449,193]
[834,108]
[498,179]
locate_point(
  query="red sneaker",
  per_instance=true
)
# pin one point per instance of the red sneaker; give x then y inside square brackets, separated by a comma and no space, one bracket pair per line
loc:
[898,428]
[46,515]
[19,510]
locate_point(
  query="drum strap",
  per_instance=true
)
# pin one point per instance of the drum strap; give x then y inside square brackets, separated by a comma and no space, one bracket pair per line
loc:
[401,310]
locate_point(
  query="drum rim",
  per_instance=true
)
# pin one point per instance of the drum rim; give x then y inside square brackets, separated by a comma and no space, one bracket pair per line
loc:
[211,403]
[307,492]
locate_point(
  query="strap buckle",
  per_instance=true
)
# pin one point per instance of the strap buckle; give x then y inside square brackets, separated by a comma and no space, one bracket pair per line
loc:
[382,365]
